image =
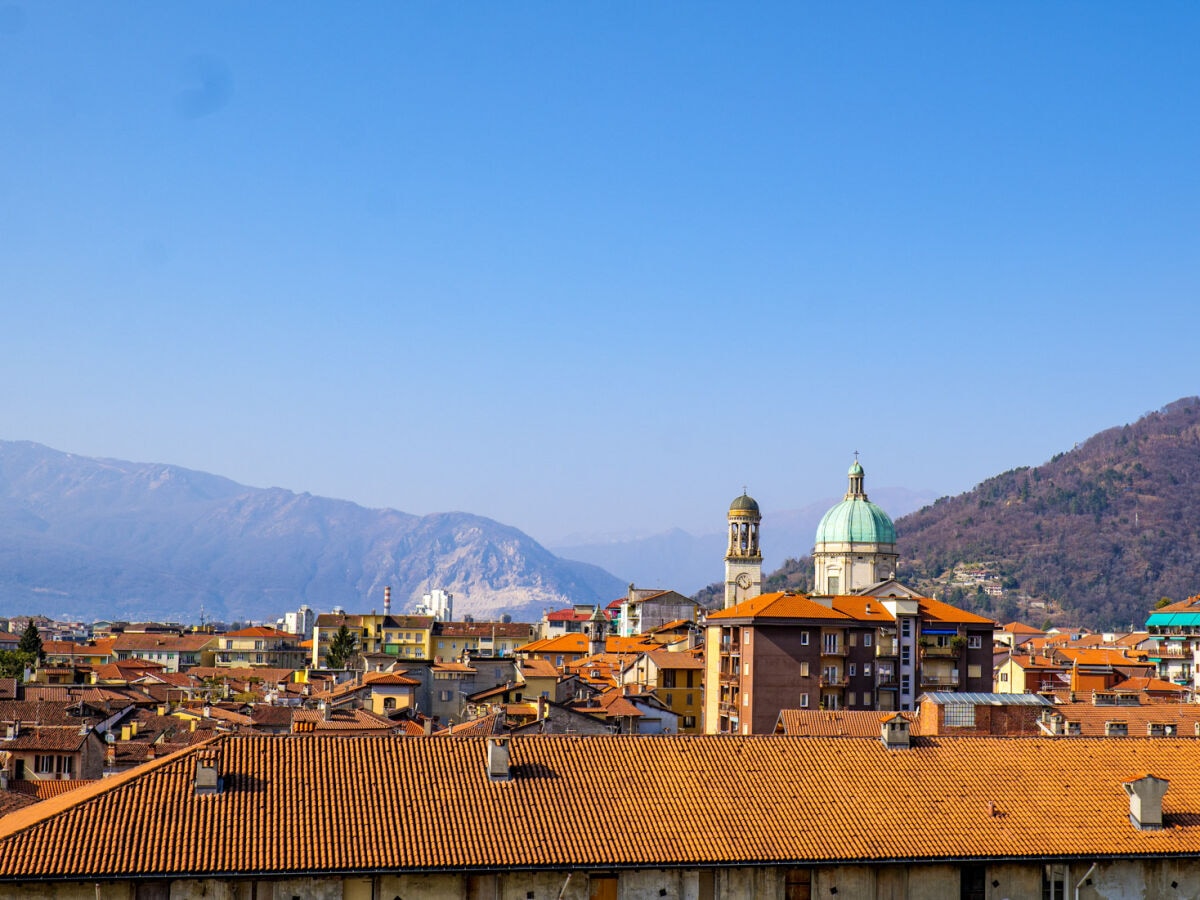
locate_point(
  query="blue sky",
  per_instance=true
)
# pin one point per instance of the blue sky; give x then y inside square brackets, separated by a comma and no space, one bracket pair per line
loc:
[590,268]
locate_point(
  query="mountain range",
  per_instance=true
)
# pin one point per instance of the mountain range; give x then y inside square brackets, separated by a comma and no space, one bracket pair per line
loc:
[681,561]
[86,538]
[1096,536]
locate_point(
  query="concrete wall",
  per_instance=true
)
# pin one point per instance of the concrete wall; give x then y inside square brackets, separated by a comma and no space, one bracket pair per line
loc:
[1121,880]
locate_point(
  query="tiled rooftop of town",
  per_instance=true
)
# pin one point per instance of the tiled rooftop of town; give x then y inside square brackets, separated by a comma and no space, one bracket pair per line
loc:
[430,805]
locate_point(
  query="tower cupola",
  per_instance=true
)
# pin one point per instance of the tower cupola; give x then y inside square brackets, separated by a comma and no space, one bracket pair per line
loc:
[743,556]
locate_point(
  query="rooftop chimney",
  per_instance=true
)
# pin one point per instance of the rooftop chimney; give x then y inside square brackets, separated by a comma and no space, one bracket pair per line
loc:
[1145,802]
[894,732]
[208,779]
[498,759]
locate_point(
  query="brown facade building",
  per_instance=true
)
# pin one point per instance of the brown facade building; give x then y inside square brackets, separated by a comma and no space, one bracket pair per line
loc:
[789,651]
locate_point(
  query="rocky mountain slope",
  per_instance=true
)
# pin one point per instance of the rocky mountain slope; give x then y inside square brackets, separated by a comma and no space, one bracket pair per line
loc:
[90,538]
[1095,536]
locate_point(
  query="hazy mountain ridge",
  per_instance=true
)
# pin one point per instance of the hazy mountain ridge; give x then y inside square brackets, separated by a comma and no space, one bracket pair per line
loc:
[98,537]
[685,562]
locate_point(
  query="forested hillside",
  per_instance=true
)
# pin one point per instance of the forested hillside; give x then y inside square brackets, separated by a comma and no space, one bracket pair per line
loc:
[1098,533]
[1095,536]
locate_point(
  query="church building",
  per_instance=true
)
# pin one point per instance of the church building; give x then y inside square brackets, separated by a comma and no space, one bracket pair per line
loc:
[856,543]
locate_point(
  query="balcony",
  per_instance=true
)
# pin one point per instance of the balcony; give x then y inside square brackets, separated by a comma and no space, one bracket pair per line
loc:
[934,651]
[941,680]
[1170,650]
[827,650]
[885,647]
[834,681]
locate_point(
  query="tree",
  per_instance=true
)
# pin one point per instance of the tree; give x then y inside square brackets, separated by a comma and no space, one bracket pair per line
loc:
[342,648]
[13,663]
[31,643]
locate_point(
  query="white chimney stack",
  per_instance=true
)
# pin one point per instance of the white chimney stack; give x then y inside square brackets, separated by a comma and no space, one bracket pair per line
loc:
[1145,802]
[499,761]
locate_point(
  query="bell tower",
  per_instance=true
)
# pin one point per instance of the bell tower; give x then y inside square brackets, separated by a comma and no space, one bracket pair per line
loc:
[743,558]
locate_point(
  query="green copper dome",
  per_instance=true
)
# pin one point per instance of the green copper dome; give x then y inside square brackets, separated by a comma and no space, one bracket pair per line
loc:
[857,521]
[743,503]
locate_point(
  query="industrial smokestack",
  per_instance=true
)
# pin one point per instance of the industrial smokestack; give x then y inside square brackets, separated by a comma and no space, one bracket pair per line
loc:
[387,600]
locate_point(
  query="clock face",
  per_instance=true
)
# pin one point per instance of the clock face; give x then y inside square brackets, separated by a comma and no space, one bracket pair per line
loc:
[744,580]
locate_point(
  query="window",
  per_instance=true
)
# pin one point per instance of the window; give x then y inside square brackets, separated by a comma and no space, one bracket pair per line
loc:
[867,669]
[905,683]
[852,641]
[43,765]
[444,696]
[974,671]
[1004,676]
[866,698]
[905,655]
[804,701]
[64,766]
[746,632]
[850,698]
[833,584]
[689,699]
[831,643]
[389,702]
[959,715]
[690,673]
[689,721]
[804,669]
[852,670]
[1054,882]
[745,699]
[866,640]
[906,627]
[804,639]
[974,642]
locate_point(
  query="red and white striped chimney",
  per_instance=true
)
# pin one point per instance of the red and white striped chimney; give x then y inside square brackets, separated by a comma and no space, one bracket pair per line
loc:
[387,600]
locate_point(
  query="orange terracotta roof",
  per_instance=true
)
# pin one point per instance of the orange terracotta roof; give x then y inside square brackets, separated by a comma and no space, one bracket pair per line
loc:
[537,668]
[1188,605]
[778,606]
[840,723]
[938,611]
[47,738]
[563,643]
[673,659]
[1156,685]
[1048,799]
[47,788]
[389,679]
[1099,656]
[11,801]
[262,631]
[493,723]
[863,609]
[1020,628]
[1091,718]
